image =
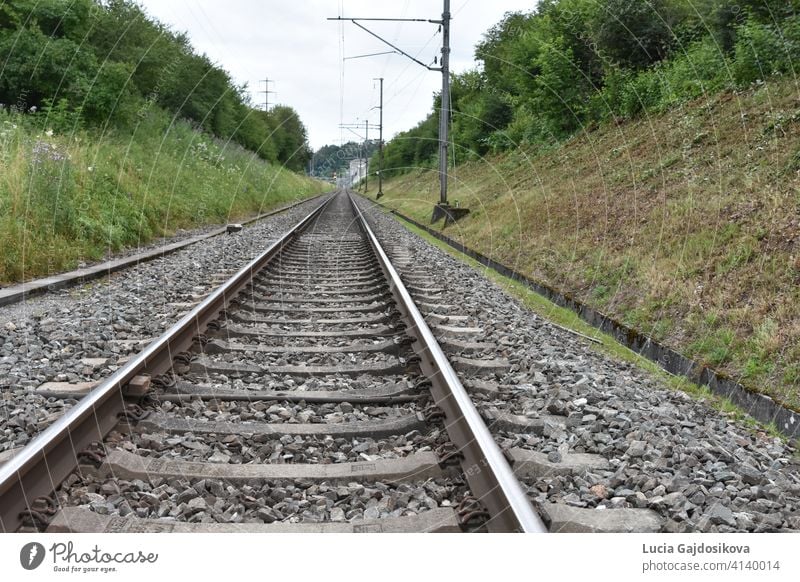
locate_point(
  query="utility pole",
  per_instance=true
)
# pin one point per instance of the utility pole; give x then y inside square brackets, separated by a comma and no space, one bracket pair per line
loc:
[444,115]
[266,92]
[366,157]
[380,146]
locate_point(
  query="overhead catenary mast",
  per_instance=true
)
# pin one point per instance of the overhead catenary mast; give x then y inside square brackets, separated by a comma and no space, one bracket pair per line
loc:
[366,157]
[444,111]
[380,146]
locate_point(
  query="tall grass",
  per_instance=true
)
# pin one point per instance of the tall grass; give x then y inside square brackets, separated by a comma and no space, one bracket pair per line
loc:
[67,197]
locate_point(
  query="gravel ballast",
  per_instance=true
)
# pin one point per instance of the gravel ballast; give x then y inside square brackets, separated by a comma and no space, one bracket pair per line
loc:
[275,448]
[218,501]
[242,411]
[701,470]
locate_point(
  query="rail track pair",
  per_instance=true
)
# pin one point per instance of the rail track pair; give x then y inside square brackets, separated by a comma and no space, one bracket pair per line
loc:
[305,378]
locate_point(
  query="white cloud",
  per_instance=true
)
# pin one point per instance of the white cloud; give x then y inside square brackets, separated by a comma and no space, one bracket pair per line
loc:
[293,44]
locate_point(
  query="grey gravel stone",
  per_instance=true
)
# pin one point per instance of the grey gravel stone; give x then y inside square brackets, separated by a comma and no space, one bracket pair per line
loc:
[719,514]
[186,495]
[674,499]
[554,457]
[219,457]
[750,475]
[672,526]
[262,501]
[636,449]
[558,408]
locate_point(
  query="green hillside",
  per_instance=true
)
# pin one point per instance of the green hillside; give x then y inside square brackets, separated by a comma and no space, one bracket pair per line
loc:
[71,197]
[684,225]
[643,157]
[113,130]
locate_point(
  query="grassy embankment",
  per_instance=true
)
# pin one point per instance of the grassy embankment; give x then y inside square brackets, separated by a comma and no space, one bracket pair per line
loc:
[685,226]
[77,196]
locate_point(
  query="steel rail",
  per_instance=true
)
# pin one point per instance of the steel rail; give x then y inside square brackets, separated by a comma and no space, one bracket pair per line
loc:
[47,460]
[484,465]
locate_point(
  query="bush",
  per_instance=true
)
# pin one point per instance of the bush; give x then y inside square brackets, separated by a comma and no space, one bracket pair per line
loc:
[761,51]
[612,100]
[701,70]
[644,92]
[563,91]
[633,33]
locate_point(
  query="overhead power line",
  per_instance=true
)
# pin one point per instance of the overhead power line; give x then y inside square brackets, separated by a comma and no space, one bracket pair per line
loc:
[444,68]
[267,92]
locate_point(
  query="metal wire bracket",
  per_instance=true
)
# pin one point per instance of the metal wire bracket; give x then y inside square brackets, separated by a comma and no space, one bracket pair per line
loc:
[471,514]
[94,454]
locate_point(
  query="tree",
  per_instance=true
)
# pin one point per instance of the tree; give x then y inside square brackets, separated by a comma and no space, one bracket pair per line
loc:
[290,137]
[507,59]
[100,61]
[634,33]
[124,34]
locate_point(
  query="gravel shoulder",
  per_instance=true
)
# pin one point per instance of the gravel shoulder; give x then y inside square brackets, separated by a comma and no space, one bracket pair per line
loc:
[84,333]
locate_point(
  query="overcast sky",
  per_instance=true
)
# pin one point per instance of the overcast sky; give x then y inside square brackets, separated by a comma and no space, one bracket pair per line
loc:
[292,43]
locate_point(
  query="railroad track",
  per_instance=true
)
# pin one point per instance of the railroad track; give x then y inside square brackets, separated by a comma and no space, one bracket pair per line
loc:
[306,393]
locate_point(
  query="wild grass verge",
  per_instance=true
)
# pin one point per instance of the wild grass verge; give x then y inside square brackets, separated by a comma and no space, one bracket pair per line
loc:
[65,198]
[684,225]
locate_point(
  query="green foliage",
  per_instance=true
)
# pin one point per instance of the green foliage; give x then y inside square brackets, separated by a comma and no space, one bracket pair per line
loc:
[562,91]
[508,53]
[289,136]
[632,33]
[565,24]
[109,98]
[550,73]
[479,115]
[110,64]
[60,117]
[763,49]
[701,70]
[414,148]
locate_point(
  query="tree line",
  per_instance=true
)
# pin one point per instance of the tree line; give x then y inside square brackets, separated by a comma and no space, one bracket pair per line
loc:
[331,161]
[572,64]
[107,64]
